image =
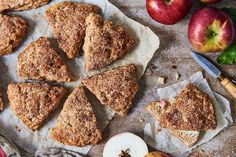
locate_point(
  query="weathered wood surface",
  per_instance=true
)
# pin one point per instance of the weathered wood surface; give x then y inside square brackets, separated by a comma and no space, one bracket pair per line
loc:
[173,56]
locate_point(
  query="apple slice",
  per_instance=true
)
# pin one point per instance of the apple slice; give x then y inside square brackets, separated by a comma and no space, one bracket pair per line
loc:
[125,145]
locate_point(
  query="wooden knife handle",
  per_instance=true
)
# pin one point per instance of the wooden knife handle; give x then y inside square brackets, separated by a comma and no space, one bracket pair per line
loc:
[229,85]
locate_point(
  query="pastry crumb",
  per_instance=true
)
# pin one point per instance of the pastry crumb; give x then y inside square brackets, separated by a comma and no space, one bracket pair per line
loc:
[161,80]
[177,76]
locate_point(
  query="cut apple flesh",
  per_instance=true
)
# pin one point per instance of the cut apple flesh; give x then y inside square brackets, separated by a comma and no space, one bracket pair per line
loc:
[125,145]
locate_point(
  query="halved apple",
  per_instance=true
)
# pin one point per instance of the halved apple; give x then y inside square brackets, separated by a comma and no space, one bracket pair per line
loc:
[125,145]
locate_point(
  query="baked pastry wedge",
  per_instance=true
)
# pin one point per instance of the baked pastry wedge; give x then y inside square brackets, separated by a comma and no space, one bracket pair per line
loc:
[76,124]
[115,88]
[67,20]
[20,5]
[192,110]
[39,61]
[104,42]
[12,32]
[33,103]
[156,108]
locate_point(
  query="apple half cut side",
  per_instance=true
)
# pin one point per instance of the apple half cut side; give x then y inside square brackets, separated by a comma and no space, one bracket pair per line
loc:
[125,144]
[210,30]
[168,12]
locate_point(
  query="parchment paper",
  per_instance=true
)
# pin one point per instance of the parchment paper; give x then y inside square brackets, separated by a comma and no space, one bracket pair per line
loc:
[164,141]
[147,44]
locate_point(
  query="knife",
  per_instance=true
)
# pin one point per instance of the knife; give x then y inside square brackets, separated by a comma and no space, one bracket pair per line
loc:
[215,72]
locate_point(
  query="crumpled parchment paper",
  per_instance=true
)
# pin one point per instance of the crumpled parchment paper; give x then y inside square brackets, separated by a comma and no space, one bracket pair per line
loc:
[164,141]
[147,44]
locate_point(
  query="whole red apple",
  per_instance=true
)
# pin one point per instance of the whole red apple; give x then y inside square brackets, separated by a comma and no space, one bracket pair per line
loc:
[168,11]
[210,30]
[209,1]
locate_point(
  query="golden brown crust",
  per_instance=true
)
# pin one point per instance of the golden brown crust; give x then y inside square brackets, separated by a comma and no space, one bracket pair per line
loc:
[115,88]
[12,31]
[34,102]
[20,5]
[156,108]
[193,110]
[76,124]
[1,102]
[104,42]
[67,20]
[39,61]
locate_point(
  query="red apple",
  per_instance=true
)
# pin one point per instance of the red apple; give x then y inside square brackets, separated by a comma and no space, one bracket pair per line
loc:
[168,11]
[210,30]
[209,1]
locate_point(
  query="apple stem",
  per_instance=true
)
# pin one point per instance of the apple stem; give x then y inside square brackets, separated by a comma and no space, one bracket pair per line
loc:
[125,153]
[210,34]
[167,1]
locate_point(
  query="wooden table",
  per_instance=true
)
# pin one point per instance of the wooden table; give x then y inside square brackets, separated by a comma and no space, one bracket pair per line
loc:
[172,56]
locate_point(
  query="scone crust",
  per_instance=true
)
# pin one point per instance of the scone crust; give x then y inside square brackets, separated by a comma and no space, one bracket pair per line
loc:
[193,110]
[67,20]
[34,102]
[39,61]
[20,5]
[1,102]
[104,42]
[12,32]
[76,124]
[115,88]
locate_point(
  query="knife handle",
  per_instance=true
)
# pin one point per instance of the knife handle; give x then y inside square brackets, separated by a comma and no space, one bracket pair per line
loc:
[229,85]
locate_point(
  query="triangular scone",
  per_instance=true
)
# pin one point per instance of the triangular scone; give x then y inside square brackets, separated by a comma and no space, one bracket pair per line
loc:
[156,108]
[67,20]
[34,102]
[19,5]
[104,42]
[193,110]
[12,31]
[39,61]
[76,124]
[115,88]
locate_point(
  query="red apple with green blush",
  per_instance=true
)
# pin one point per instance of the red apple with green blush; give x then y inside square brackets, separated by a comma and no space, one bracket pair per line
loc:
[209,1]
[210,30]
[168,11]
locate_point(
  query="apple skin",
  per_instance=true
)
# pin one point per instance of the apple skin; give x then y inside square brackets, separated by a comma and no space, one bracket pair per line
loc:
[170,12]
[209,1]
[210,30]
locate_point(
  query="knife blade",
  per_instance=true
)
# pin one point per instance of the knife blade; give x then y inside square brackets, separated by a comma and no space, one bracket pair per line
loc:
[215,72]
[206,65]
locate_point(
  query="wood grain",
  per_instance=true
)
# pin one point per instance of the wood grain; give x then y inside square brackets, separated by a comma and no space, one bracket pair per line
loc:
[230,86]
[173,56]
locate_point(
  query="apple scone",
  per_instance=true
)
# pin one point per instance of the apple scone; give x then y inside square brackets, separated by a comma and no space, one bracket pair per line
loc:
[104,42]
[67,20]
[39,61]
[20,5]
[33,103]
[76,124]
[192,110]
[115,88]
[12,32]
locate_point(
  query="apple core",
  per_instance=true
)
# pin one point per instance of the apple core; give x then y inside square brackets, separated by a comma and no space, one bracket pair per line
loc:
[167,1]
